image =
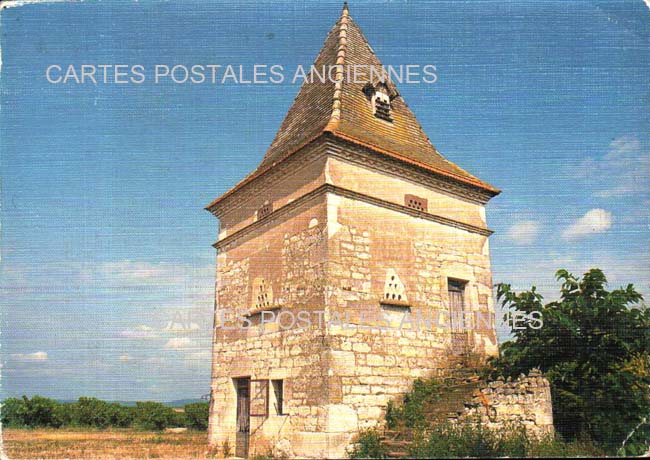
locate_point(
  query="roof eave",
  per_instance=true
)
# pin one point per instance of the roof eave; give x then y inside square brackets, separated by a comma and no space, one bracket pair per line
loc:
[465,180]
[257,173]
[492,191]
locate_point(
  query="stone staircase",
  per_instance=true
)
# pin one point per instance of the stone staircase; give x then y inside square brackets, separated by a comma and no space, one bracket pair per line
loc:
[457,389]
[395,445]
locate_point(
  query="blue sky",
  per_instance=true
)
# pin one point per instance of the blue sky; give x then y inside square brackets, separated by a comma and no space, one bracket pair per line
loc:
[107,265]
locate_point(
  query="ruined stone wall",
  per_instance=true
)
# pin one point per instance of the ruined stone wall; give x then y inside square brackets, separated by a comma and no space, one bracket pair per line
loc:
[525,401]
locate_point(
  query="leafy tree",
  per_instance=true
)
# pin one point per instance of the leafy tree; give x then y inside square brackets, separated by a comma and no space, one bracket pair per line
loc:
[196,415]
[99,414]
[154,416]
[37,411]
[13,412]
[594,349]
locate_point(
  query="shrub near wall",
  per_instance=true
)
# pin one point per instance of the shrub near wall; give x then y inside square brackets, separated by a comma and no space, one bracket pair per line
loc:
[477,440]
[594,348]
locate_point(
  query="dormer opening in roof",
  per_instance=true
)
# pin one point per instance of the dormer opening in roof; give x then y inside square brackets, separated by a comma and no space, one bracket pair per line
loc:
[380,98]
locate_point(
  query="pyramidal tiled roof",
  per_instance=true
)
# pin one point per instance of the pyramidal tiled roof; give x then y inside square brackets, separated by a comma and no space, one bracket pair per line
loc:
[343,110]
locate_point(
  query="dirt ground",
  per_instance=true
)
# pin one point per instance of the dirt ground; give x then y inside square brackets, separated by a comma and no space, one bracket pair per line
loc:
[107,444]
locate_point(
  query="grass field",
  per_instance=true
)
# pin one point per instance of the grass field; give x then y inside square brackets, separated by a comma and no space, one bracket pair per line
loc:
[108,444]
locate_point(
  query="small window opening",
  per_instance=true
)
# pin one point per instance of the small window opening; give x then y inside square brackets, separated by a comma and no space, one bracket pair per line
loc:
[382,106]
[382,109]
[455,285]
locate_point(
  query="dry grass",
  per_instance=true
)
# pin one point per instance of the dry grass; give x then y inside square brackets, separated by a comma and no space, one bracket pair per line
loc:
[108,444]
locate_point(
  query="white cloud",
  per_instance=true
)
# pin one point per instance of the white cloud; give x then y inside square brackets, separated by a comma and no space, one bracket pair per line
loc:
[178,343]
[201,356]
[138,332]
[193,282]
[36,356]
[177,326]
[594,221]
[621,172]
[128,271]
[623,145]
[524,233]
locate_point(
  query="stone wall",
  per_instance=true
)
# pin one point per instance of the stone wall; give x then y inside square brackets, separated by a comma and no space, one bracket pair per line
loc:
[366,243]
[525,401]
[372,367]
[371,363]
[286,258]
[297,357]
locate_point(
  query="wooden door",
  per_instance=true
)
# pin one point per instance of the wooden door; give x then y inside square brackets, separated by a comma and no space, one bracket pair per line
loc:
[243,416]
[456,309]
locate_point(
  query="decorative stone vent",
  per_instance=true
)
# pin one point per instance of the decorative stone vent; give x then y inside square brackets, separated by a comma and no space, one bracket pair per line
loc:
[264,211]
[394,290]
[415,202]
[262,296]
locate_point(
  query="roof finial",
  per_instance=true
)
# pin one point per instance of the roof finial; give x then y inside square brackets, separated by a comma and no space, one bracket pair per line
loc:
[345,9]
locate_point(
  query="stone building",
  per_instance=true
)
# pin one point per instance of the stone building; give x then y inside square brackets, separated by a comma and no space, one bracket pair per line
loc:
[354,221]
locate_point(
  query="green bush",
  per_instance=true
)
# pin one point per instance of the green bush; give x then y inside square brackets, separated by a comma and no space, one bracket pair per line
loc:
[196,415]
[637,442]
[154,416]
[368,445]
[556,447]
[96,413]
[13,412]
[412,413]
[477,440]
[35,412]
[594,349]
